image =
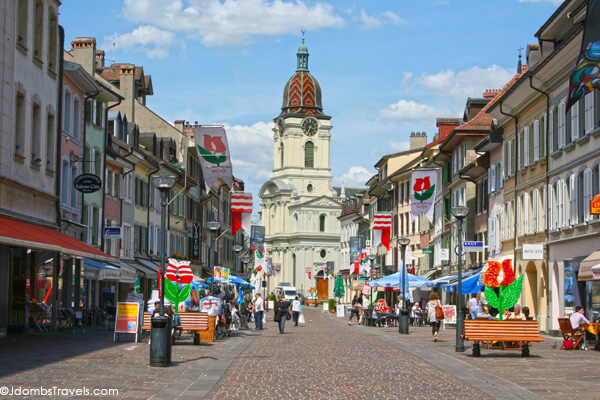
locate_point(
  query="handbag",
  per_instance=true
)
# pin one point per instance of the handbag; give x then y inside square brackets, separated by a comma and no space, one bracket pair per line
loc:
[568,344]
[288,315]
[439,312]
[301,319]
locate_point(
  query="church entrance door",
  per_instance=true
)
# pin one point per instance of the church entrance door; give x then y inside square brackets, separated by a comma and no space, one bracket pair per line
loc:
[322,288]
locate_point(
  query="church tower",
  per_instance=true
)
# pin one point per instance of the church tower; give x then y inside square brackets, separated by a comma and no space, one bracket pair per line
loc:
[299,206]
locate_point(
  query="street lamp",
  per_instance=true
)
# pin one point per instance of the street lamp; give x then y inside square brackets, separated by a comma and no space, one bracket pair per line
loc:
[403,317]
[460,213]
[371,259]
[214,226]
[236,252]
[245,260]
[160,327]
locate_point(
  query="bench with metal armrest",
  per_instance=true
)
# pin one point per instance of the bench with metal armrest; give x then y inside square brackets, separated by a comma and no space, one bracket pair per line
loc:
[201,324]
[505,332]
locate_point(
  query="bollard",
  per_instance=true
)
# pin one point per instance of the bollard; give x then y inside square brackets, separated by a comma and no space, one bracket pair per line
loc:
[158,341]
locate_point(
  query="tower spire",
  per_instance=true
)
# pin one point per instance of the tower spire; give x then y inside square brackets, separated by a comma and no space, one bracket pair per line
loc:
[302,55]
[520,64]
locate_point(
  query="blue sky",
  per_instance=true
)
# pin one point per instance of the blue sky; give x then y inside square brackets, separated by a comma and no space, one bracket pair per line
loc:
[386,68]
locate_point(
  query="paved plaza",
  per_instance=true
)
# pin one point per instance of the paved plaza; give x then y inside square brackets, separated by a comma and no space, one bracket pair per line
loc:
[326,359]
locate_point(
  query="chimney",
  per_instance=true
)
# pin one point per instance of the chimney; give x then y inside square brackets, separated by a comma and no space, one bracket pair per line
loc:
[127,89]
[490,93]
[99,59]
[83,50]
[446,125]
[418,140]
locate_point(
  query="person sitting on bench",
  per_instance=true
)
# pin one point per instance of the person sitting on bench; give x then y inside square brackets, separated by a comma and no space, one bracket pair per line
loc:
[485,312]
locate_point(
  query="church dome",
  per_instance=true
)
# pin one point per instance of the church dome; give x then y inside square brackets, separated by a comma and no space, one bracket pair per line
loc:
[302,93]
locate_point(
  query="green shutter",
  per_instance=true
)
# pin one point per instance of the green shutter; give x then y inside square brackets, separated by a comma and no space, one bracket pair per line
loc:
[309,155]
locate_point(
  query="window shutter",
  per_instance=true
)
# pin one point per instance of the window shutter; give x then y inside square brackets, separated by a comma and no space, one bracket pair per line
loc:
[551,211]
[587,193]
[536,140]
[589,112]
[573,199]
[575,121]
[526,146]
[501,168]
[561,125]
[543,139]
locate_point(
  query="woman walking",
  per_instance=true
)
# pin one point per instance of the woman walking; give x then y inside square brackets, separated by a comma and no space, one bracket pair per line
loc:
[281,312]
[433,314]
[296,310]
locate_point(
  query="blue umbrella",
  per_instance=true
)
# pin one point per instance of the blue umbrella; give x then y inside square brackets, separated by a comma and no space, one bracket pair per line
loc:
[394,281]
[198,285]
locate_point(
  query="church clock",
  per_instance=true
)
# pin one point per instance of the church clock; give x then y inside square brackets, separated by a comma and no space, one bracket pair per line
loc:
[310,126]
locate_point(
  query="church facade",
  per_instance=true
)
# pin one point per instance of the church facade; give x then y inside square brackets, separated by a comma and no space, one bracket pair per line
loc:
[299,206]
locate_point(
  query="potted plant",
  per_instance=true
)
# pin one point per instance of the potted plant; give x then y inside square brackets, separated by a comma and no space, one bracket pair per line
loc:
[332,305]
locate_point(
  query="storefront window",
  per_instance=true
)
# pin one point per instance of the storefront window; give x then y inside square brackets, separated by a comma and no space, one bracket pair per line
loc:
[595,299]
[569,287]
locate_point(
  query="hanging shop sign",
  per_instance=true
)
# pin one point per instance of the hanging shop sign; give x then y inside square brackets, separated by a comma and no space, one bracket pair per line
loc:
[533,251]
[444,254]
[195,242]
[595,205]
[112,232]
[87,183]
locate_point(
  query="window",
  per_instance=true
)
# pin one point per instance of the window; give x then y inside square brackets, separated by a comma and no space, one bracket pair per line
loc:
[50,142]
[322,223]
[582,116]
[530,145]
[72,187]
[596,116]
[323,253]
[97,163]
[561,125]
[67,112]
[587,193]
[76,117]
[95,225]
[570,123]
[581,217]
[20,124]
[99,114]
[522,151]
[534,211]
[35,134]
[281,155]
[534,144]
[88,110]
[554,128]
[38,26]
[52,39]
[22,15]
[309,154]
[542,137]
[64,193]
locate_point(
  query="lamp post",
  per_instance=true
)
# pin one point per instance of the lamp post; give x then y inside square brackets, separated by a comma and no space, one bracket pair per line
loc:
[214,227]
[371,259]
[403,317]
[460,213]
[236,252]
[245,260]
[160,329]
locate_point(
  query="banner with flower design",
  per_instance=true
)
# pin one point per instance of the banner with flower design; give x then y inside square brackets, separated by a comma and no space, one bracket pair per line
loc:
[177,285]
[422,195]
[501,276]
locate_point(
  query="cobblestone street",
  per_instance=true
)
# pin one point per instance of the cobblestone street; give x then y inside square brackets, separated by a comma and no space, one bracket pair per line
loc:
[326,359]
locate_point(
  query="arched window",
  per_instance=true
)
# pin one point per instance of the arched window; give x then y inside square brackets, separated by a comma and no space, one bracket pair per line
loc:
[76,117]
[67,112]
[309,155]
[322,223]
[281,155]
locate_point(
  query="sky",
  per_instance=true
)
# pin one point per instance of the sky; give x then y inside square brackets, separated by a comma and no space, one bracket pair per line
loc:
[386,68]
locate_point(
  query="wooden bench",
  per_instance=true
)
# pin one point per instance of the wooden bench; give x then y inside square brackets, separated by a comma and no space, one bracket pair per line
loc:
[201,324]
[316,302]
[519,331]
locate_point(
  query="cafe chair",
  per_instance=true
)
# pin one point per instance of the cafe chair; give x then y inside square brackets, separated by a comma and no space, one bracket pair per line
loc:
[568,334]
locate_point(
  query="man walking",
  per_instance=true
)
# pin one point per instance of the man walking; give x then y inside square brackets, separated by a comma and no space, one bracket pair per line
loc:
[259,309]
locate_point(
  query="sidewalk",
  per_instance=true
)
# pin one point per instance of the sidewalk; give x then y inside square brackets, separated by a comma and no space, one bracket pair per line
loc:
[92,360]
[548,373]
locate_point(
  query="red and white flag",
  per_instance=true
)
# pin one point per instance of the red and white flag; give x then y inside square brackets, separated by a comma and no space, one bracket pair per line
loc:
[241,212]
[382,224]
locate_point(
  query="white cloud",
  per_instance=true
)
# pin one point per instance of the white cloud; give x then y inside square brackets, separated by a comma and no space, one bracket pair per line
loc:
[231,22]
[356,176]
[251,149]
[468,83]
[411,110]
[398,146]
[377,21]
[153,41]
[556,2]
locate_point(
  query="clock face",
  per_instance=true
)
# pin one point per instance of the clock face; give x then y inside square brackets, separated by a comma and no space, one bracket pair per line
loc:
[280,126]
[310,126]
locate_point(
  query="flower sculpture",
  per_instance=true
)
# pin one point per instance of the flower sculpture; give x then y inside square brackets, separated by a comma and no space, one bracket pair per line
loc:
[501,276]
[178,273]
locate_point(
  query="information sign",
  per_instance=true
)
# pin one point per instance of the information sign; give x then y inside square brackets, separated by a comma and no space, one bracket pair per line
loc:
[471,247]
[127,319]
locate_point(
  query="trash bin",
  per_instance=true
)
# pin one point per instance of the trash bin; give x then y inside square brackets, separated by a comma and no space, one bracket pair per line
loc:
[403,321]
[159,341]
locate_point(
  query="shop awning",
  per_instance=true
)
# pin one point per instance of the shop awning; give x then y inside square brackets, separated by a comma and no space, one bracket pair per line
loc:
[586,267]
[148,273]
[93,269]
[25,234]
[148,264]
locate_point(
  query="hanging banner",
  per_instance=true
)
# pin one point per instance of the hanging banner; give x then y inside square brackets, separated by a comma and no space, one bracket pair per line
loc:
[213,151]
[356,245]
[382,224]
[241,212]
[422,195]
[257,237]
[586,76]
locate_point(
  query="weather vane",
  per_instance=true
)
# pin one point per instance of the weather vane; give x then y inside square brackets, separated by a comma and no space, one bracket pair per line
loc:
[302,31]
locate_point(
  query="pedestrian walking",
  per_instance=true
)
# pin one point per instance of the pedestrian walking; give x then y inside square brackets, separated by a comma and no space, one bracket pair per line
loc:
[296,310]
[474,306]
[433,314]
[282,313]
[259,310]
[355,310]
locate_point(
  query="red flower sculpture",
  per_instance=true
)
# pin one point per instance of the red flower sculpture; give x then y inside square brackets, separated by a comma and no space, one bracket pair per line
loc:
[499,274]
[179,271]
[422,184]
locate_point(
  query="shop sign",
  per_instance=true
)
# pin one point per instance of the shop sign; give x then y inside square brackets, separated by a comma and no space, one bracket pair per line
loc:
[595,205]
[110,274]
[444,254]
[196,242]
[128,275]
[449,314]
[596,272]
[127,319]
[428,250]
[533,251]
[87,183]
[90,274]
[112,232]
[472,247]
